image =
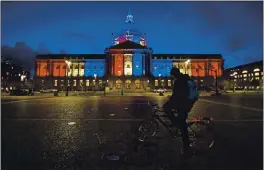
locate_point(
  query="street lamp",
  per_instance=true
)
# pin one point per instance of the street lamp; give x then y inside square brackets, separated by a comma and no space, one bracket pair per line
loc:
[68,65]
[160,80]
[95,75]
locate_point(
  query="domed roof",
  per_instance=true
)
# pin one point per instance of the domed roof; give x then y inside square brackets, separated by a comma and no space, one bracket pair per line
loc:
[130,32]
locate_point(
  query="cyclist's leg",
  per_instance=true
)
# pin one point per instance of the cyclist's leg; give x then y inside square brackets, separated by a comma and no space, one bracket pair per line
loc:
[183,114]
[168,110]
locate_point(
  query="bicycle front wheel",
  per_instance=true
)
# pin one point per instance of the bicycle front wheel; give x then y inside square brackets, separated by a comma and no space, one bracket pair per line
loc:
[146,129]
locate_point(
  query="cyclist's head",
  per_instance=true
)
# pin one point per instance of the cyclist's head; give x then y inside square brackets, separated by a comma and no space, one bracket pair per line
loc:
[175,72]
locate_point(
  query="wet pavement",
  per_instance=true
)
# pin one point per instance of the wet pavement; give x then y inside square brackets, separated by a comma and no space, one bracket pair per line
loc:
[80,132]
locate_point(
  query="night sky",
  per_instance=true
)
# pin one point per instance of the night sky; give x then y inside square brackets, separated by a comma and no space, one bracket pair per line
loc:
[233,29]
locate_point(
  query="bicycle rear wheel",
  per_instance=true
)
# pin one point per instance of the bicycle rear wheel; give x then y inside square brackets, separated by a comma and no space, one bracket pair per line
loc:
[146,129]
[201,134]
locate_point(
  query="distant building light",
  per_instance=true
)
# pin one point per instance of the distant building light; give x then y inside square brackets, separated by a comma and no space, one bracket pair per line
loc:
[245,71]
[12,67]
[7,73]
[257,69]
[19,74]
[136,66]
[159,75]
[155,67]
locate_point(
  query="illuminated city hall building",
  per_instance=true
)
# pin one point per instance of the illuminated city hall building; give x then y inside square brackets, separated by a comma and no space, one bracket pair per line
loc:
[129,64]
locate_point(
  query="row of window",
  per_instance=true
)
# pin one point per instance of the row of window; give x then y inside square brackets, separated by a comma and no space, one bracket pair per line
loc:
[161,83]
[81,83]
[250,74]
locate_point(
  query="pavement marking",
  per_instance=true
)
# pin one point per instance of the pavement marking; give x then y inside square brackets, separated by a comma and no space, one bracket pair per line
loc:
[232,105]
[20,101]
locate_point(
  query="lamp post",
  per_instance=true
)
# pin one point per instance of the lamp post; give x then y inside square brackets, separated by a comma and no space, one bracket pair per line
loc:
[95,75]
[186,64]
[68,65]
[160,80]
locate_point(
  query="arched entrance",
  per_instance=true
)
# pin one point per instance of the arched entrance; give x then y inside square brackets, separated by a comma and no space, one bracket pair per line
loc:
[118,84]
[128,84]
[137,82]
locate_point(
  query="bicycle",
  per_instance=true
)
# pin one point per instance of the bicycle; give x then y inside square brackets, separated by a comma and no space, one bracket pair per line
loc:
[197,128]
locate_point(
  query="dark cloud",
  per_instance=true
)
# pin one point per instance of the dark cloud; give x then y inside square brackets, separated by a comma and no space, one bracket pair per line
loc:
[63,52]
[83,38]
[236,43]
[20,54]
[42,49]
[251,59]
[79,36]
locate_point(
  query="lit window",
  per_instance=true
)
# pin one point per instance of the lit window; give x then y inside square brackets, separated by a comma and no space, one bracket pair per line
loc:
[257,69]
[156,83]
[261,73]
[74,82]
[245,75]
[257,78]
[169,83]
[245,78]
[68,82]
[81,82]
[62,83]
[7,73]
[55,83]
[201,80]
[256,74]
[245,71]
[235,76]
[87,83]
[252,74]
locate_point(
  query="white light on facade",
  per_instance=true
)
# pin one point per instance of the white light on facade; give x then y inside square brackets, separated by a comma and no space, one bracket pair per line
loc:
[159,75]
[257,69]
[23,77]
[245,71]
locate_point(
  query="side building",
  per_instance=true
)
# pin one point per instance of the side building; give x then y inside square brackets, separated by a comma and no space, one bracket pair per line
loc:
[247,76]
[12,75]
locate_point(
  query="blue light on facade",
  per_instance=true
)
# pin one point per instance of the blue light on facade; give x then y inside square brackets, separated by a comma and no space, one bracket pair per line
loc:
[94,66]
[137,64]
[161,66]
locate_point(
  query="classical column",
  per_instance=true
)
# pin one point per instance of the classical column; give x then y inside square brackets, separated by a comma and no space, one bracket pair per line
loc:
[78,69]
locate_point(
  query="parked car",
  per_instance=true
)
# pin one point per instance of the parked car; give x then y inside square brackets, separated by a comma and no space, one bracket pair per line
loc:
[159,90]
[48,90]
[21,92]
[216,92]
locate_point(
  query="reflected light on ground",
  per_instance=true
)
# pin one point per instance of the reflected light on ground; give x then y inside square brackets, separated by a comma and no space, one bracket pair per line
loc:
[71,123]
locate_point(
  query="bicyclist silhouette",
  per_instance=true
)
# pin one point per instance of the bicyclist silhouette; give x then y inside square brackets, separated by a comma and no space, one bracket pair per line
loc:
[179,101]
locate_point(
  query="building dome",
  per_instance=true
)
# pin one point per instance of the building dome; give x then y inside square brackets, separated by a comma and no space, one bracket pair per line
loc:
[129,32]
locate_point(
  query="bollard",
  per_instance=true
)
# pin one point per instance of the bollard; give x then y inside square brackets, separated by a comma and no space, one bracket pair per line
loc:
[122,92]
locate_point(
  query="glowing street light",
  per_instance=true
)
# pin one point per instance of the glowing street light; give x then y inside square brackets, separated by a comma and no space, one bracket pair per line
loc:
[186,63]
[68,63]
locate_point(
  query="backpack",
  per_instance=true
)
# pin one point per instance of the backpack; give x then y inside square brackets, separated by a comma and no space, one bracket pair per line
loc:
[193,91]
